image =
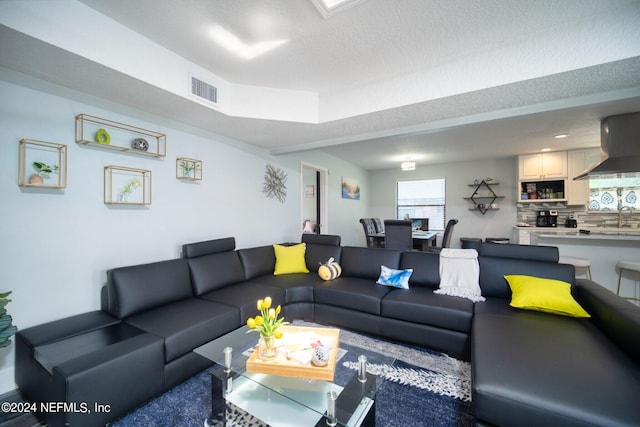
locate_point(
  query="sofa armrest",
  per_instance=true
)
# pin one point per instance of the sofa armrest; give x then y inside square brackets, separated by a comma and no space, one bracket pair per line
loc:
[616,317]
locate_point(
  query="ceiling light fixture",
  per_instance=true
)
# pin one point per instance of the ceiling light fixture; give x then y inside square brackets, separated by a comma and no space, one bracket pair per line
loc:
[544,150]
[233,44]
[331,7]
[561,135]
[408,165]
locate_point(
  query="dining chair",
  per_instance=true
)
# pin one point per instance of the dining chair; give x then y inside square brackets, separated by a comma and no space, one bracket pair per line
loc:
[397,234]
[369,229]
[446,237]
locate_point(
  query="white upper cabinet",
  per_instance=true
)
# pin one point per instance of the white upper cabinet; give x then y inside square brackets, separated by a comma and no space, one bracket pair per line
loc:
[579,161]
[543,166]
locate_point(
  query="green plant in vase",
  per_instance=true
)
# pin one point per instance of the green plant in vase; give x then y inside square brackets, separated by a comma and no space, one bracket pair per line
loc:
[189,167]
[129,188]
[7,329]
[42,172]
[266,324]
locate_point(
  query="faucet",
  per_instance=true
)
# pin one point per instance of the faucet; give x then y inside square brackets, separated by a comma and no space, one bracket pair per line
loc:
[620,211]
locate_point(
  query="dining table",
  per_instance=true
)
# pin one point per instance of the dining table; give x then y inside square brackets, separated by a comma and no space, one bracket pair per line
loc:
[421,239]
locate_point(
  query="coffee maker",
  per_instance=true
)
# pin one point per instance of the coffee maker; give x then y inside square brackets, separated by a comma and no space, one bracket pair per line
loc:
[547,218]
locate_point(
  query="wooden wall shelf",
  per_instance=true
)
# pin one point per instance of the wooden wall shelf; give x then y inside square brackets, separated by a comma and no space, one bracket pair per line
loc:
[127,186]
[49,154]
[111,135]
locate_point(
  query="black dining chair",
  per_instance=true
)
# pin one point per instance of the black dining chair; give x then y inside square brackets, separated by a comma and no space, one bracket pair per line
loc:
[446,237]
[369,229]
[397,234]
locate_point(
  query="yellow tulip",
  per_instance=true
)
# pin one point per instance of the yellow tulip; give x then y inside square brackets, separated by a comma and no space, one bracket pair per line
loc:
[272,313]
[251,322]
[259,320]
[259,304]
[267,302]
[278,308]
[277,335]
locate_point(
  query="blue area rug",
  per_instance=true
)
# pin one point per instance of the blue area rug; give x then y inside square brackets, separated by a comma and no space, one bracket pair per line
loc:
[422,388]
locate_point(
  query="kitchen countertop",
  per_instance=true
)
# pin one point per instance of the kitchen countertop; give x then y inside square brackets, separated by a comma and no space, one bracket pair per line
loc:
[595,231]
[594,235]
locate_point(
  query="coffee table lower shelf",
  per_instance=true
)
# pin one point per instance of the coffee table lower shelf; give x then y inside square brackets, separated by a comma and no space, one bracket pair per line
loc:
[354,407]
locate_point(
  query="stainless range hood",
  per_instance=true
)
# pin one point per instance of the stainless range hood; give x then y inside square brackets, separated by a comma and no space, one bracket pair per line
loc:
[620,143]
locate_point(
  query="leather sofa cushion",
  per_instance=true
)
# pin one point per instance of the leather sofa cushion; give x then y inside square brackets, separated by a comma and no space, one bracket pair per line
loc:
[298,287]
[426,268]
[530,252]
[365,263]
[187,324]
[493,270]
[198,249]
[321,239]
[244,297]
[618,318]
[421,305]
[352,293]
[320,254]
[209,272]
[257,261]
[544,369]
[142,287]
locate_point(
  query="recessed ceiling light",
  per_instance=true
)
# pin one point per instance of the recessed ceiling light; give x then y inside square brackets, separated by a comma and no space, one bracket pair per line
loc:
[330,7]
[233,44]
[561,135]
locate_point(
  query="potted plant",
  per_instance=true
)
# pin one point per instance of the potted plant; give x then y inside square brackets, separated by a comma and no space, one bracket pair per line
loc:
[7,329]
[189,166]
[128,189]
[42,172]
[266,324]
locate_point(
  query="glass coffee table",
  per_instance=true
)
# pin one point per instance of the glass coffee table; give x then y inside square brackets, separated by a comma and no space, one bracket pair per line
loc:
[348,400]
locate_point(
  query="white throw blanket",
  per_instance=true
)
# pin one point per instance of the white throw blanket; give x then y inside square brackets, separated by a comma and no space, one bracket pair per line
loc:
[460,274]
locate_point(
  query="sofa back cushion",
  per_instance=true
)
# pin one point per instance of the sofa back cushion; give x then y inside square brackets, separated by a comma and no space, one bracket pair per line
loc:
[366,263]
[258,261]
[210,272]
[321,247]
[426,268]
[493,270]
[529,252]
[138,288]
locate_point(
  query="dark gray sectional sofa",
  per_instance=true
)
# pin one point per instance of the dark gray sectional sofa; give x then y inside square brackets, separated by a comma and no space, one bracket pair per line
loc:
[529,368]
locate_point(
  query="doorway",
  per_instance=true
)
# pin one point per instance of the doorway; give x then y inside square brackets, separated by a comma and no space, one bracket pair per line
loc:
[314,198]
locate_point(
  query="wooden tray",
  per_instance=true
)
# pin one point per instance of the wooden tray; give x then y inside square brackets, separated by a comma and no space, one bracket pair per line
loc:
[291,368]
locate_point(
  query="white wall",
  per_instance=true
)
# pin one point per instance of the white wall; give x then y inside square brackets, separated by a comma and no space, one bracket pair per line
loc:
[458,177]
[58,244]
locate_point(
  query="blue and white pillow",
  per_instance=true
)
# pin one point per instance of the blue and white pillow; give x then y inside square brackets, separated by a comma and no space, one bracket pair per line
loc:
[394,278]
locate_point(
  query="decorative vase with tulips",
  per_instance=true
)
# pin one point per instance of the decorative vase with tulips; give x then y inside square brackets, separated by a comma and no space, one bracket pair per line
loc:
[266,324]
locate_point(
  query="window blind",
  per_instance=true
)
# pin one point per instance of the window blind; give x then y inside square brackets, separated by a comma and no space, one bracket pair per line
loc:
[423,199]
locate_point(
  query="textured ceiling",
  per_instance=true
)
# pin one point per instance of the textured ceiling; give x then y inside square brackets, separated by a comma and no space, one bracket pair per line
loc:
[439,81]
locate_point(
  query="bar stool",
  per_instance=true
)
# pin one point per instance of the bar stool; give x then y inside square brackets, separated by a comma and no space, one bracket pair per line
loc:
[627,265]
[577,263]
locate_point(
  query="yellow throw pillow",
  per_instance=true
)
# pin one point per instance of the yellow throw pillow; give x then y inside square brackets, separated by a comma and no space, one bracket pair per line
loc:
[548,295]
[290,259]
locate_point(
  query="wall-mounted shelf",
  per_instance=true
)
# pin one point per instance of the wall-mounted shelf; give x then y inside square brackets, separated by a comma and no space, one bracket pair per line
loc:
[46,161]
[483,196]
[110,135]
[188,169]
[127,186]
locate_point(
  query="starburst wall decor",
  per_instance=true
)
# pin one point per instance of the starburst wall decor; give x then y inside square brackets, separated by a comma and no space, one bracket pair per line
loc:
[275,183]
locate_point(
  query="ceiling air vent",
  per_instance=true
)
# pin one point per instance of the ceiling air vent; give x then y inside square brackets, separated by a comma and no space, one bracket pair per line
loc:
[204,90]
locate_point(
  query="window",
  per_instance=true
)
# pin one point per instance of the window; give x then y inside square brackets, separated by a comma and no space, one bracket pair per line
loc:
[422,199]
[611,194]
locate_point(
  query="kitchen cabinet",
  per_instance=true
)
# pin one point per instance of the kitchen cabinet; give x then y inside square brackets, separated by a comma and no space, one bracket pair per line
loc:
[542,166]
[579,161]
